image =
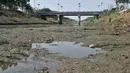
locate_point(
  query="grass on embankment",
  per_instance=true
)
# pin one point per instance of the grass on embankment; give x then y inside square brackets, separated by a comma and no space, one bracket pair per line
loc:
[119,23]
[7,16]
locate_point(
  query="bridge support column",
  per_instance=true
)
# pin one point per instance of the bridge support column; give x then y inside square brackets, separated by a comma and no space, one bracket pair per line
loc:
[60,19]
[79,16]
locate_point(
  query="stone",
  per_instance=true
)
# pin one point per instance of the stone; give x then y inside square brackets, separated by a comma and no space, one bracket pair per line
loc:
[76,62]
[92,46]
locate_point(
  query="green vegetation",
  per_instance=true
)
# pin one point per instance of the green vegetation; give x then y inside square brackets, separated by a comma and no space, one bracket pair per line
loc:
[121,1]
[15,5]
[69,21]
[47,10]
[112,21]
[44,10]
[105,16]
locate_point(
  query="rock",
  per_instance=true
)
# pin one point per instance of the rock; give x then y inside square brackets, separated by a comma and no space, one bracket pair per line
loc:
[111,49]
[76,43]
[92,46]
[46,61]
[42,30]
[76,62]
[41,72]
[44,70]
[30,29]
[29,40]
[72,68]
[128,30]
[13,50]
[13,57]
[50,40]
[97,69]
[125,56]
[85,28]
[107,55]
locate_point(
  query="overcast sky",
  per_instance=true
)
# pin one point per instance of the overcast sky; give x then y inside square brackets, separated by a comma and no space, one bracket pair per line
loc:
[72,5]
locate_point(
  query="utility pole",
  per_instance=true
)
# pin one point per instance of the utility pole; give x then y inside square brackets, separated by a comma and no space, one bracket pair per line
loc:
[34,4]
[61,8]
[79,6]
[101,5]
[58,6]
[38,6]
[79,16]
[98,7]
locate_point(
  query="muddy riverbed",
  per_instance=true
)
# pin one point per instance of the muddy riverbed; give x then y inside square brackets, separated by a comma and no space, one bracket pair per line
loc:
[63,49]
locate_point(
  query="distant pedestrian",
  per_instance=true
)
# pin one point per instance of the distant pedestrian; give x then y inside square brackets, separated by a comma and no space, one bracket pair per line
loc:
[103,22]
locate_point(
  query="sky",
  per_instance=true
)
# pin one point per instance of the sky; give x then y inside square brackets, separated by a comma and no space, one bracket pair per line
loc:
[73,5]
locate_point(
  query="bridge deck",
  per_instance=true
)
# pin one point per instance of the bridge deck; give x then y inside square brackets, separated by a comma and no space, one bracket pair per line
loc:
[90,13]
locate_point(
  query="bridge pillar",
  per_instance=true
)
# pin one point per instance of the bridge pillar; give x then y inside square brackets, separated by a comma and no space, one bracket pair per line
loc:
[79,16]
[44,17]
[60,19]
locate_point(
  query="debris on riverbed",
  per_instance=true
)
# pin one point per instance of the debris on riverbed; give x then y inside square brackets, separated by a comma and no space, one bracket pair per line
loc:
[63,48]
[50,40]
[44,70]
[92,46]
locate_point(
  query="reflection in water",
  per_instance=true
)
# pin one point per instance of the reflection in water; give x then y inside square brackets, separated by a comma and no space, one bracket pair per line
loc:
[42,64]
[69,49]
[4,65]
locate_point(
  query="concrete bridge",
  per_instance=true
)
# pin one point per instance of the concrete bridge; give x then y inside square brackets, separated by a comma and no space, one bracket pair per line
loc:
[61,14]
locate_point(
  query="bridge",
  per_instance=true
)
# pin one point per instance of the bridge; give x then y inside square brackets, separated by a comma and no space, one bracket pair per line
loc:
[61,14]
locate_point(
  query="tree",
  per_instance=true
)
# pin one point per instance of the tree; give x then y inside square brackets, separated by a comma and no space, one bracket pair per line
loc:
[16,4]
[28,8]
[121,1]
[45,10]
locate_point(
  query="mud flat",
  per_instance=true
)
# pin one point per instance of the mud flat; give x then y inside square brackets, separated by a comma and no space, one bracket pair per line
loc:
[16,50]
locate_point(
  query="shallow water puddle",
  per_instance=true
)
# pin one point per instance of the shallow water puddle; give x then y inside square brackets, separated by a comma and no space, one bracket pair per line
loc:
[30,66]
[67,49]
[35,65]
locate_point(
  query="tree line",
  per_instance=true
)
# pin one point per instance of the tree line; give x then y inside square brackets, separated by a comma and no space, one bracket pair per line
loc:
[16,4]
